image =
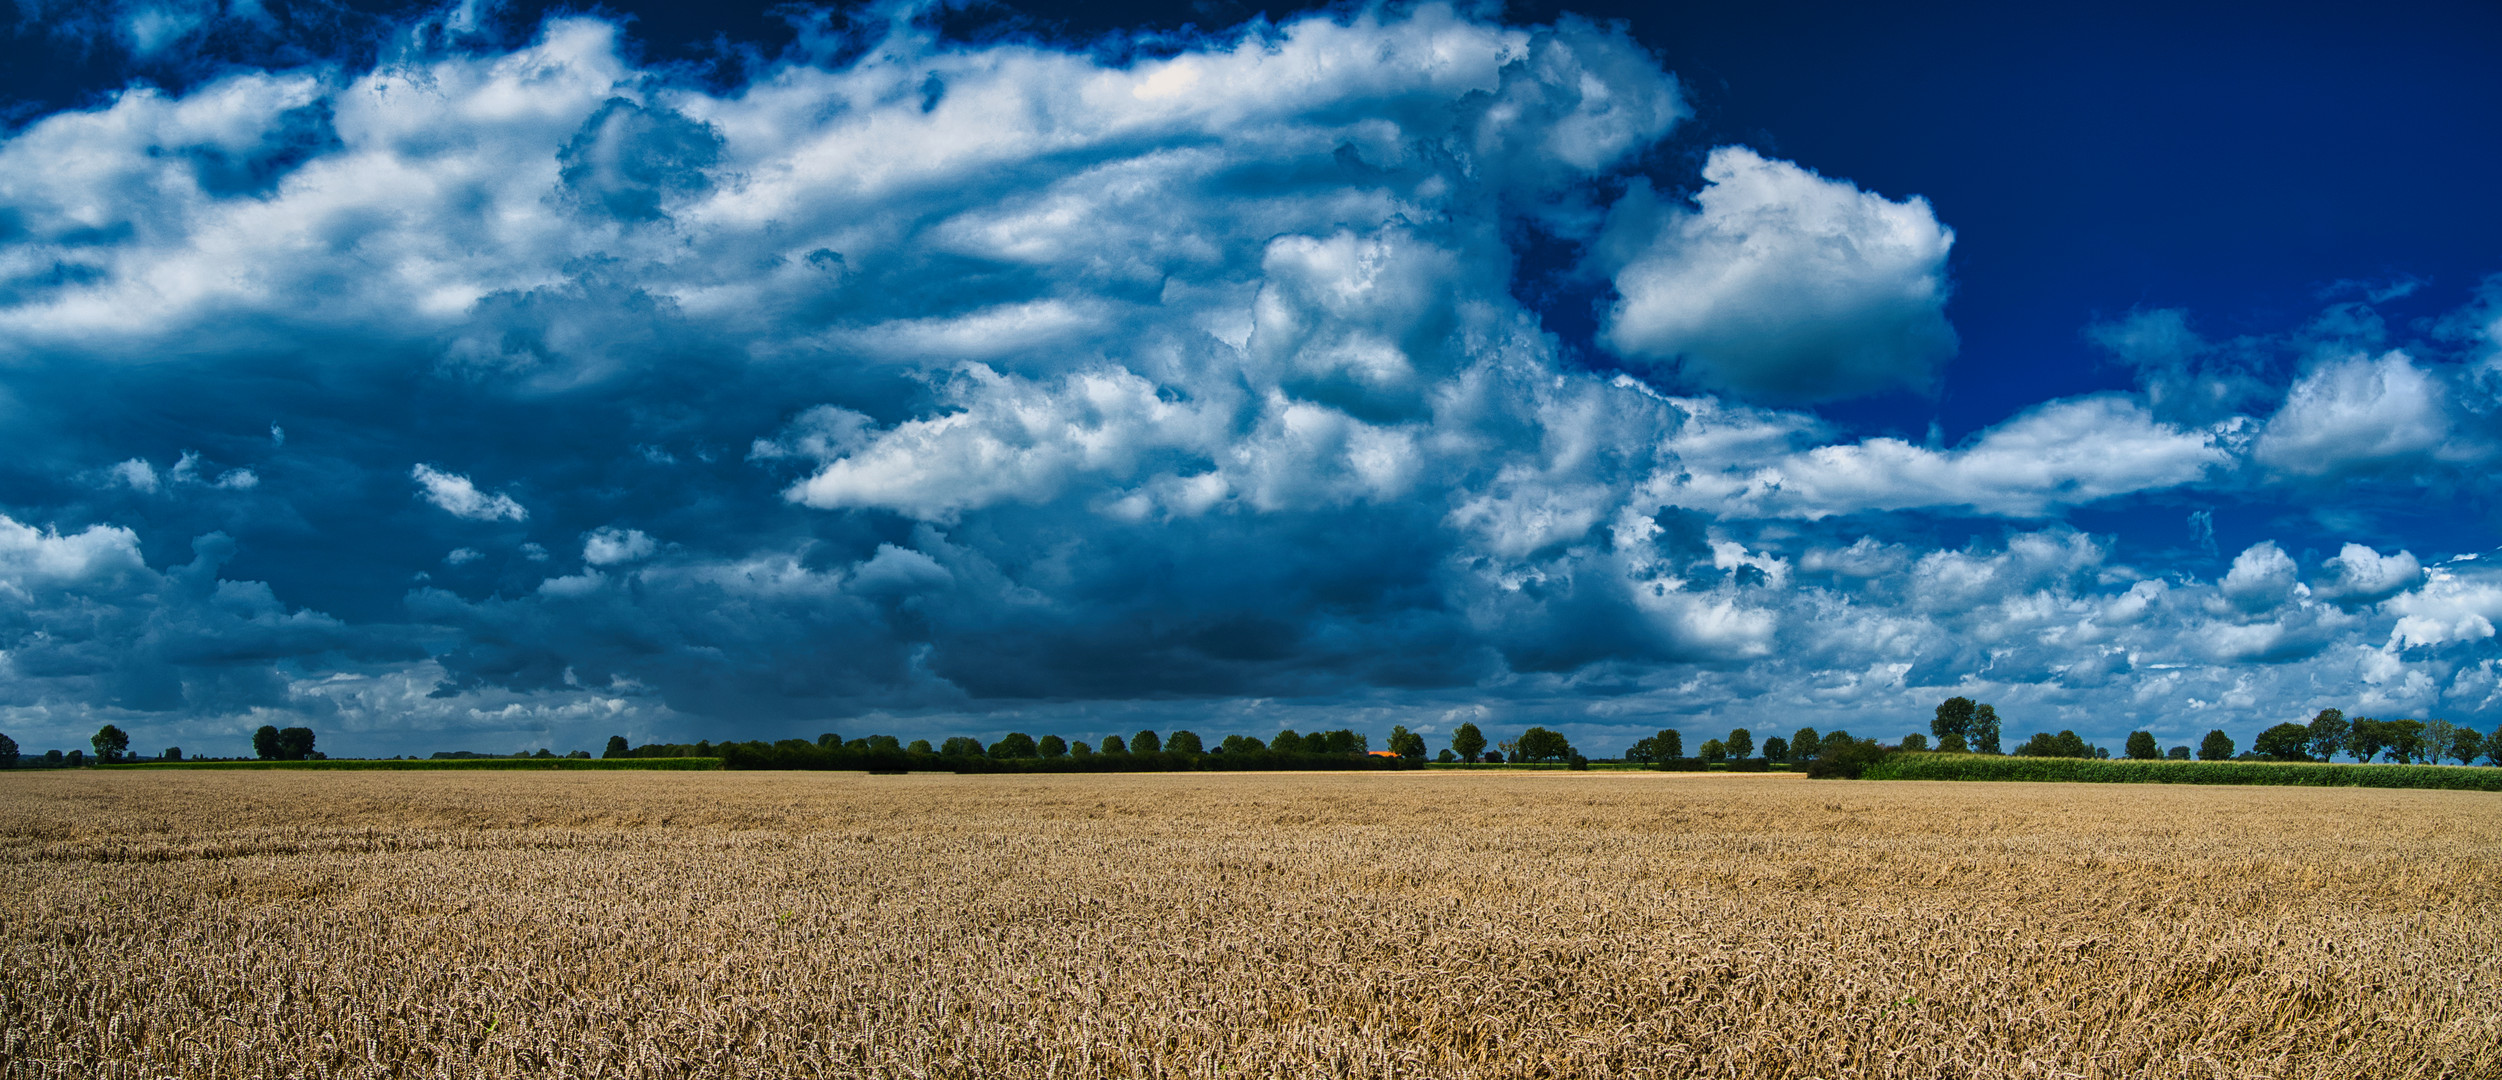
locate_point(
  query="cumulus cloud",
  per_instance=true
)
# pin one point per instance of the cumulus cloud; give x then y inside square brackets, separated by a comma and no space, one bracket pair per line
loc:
[1783,284]
[2359,414]
[2359,575]
[460,498]
[612,546]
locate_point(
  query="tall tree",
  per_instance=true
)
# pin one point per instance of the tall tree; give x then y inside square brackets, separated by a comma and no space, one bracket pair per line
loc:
[1468,742]
[1287,742]
[1741,744]
[2437,734]
[2217,746]
[295,743]
[617,747]
[961,746]
[1803,745]
[2366,738]
[1714,751]
[110,742]
[1185,742]
[1112,744]
[2406,741]
[2284,742]
[2493,747]
[2141,747]
[1954,717]
[2465,743]
[2328,734]
[1145,742]
[1406,744]
[1051,746]
[1015,744]
[1984,737]
[8,752]
[265,743]
[1539,744]
[1777,748]
[1668,744]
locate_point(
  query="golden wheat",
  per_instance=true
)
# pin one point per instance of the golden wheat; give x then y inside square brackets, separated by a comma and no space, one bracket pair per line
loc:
[1425,925]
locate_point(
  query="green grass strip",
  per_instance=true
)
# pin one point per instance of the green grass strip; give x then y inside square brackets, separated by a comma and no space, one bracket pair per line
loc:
[1937,766]
[678,764]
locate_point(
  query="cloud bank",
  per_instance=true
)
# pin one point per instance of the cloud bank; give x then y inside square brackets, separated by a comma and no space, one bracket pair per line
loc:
[517,394]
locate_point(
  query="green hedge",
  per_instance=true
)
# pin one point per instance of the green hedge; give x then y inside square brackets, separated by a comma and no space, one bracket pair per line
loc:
[1937,766]
[436,765]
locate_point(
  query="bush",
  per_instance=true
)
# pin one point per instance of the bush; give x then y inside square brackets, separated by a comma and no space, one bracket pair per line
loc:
[2089,771]
[1845,758]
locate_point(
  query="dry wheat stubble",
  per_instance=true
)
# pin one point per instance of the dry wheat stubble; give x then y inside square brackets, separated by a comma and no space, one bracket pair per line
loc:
[1468,925]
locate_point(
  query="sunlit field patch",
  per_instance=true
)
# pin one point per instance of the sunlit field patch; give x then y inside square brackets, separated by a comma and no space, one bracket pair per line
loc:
[1429,924]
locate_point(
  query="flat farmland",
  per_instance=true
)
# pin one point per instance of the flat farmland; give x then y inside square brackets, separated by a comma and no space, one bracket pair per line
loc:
[1230,925]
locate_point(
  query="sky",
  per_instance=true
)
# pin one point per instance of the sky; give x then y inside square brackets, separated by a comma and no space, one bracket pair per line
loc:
[500,376]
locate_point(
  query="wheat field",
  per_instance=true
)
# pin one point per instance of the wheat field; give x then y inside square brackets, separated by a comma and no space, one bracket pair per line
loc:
[1238,925]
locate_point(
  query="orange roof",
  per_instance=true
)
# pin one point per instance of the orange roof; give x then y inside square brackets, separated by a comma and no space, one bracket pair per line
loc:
[1383,753]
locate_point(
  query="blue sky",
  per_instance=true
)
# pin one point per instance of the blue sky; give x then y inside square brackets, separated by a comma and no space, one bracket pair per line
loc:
[501,376]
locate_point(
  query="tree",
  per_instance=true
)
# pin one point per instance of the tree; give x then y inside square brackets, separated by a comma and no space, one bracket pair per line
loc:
[1406,744]
[1340,741]
[1185,742]
[1803,745]
[1539,744]
[2284,742]
[1741,743]
[1468,742]
[920,746]
[1241,744]
[1446,757]
[2437,733]
[2217,746]
[961,746]
[1145,742]
[1714,751]
[173,753]
[2366,738]
[2493,747]
[1984,738]
[2465,743]
[829,741]
[295,743]
[1287,742]
[1845,757]
[265,742]
[1777,748]
[2177,753]
[1052,746]
[1015,744]
[1080,749]
[8,752]
[618,747]
[1953,744]
[1668,745]
[1913,741]
[1954,717]
[2141,747]
[110,742]
[2406,740]
[2328,734]
[1112,744]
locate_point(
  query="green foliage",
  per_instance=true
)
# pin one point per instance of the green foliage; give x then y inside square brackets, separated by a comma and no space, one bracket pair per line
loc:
[2141,747]
[1050,746]
[1741,743]
[490,764]
[172,753]
[2065,744]
[2366,738]
[1984,737]
[1714,751]
[1803,745]
[1112,744]
[2465,744]
[2217,746]
[1447,757]
[830,741]
[1954,717]
[8,752]
[961,746]
[1913,741]
[2177,753]
[2406,740]
[1240,744]
[265,742]
[1145,742]
[1080,749]
[1666,745]
[1405,743]
[1778,749]
[1015,744]
[2328,734]
[1287,742]
[2028,769]
[1540,744]
[922,746]
[617,748]
[2284,742]
[1468,742]
[110,743]
[1844,758]
[1184,742]
[1953,744]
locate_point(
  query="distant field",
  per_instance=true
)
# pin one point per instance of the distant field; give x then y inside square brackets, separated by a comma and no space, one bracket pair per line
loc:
[1426,924]
[2090,771]
[446,764]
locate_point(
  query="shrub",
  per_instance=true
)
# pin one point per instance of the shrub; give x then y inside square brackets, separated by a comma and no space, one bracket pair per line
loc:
[2075,770]
[1846,758]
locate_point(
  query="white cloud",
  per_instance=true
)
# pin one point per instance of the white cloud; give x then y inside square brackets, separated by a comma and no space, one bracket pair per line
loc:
[2451,607]
[2359,575]
[136,474]
[460,498]
[2356,414]
[2262,577]
[1784,285]
[462,556]
[610,546]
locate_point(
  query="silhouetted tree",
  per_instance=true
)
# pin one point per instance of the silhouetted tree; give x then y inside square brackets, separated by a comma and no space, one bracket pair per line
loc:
[172,753]
[1741,744]
[1185,742]
[617,747]
[829,741]
[1015,744]
[1446,757]
[1467,742]
[1714,751]
[1405,743]
[1539,744]
[1954,717]
[1340,741]
[2328,734]
[265,743]
[2284,742]
[2217,746]
[1080,749]
[1241,744]
[1777,748]
[1052,746]
[2177,753]
[1112,744]
[110,742]
[2141,746]
[1287,742]
[1145,742]
[8,752]
[920,746]
[295,743]
[961,746]
[885,744]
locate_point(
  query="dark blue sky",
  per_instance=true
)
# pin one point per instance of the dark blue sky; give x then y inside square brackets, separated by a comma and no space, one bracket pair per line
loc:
[508,375]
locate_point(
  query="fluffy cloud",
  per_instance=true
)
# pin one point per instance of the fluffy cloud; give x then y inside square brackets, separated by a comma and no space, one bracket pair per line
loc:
[460,498]
[2359,414]
[1783,284]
